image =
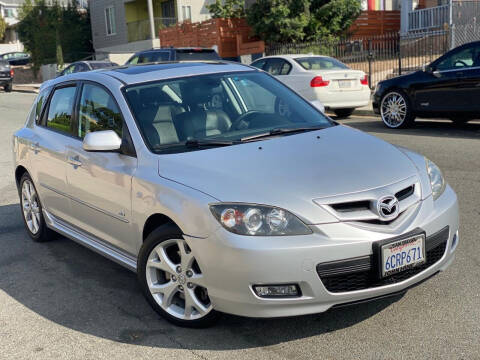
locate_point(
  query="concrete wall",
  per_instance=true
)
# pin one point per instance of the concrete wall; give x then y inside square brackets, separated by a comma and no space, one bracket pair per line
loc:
[121,53]
[4,48]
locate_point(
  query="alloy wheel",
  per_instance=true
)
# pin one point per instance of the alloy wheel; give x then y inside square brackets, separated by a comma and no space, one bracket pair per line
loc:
[176,282]
[394,110]
[30,207]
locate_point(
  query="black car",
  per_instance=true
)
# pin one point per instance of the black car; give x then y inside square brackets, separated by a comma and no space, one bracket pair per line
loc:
[82,66]
[16,58]
[6,75]
[447,88]
[172,54]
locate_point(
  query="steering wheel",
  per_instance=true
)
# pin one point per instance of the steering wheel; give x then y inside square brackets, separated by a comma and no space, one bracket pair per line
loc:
[461,62]
[244,118]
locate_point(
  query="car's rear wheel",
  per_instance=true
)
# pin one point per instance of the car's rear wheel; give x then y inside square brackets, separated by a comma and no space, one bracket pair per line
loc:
[396,111]
[343,113]
[172,281]
[8,87]
[32,211]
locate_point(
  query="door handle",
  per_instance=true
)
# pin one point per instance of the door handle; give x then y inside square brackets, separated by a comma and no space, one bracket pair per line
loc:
[35,147]
[75,161]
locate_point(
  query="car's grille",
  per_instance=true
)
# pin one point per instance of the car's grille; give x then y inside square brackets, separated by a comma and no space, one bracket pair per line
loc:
[361,208]
[359,273]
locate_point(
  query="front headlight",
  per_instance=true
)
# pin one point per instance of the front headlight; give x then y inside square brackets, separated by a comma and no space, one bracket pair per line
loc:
[258,220]
[436,179]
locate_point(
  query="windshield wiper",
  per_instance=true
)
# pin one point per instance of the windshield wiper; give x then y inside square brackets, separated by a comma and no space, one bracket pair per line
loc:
[195,143]
[281,131]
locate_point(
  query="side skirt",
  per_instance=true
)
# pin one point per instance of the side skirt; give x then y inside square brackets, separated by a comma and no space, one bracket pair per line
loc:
[90,241]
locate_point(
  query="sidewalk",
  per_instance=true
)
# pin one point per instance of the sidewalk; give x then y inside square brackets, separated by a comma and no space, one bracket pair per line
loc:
[27,88]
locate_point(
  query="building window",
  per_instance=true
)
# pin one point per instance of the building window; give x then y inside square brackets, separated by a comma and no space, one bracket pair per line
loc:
[8,13]
[110,20]
[187,12]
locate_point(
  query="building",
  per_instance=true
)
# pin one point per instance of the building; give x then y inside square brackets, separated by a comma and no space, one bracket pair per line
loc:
[132,25]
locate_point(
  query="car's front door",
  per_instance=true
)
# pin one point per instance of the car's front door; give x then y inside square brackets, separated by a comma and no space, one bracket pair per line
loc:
[99,183]
[446,88]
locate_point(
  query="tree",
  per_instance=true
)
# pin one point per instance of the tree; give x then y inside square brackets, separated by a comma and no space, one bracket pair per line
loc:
[53,34]
[301,20]
[227,9]
[3,27]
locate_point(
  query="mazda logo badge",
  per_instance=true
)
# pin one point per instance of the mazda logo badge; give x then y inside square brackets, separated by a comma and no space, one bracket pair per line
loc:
[388,207]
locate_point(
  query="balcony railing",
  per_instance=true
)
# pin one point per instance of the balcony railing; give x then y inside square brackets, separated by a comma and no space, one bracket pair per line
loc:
[140,30]
[430,18]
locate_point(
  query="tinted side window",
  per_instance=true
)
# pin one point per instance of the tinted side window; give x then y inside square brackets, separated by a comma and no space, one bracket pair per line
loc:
[458,60]
[98,111]
[278,67]
[42,97]
[60,110]
[259,64]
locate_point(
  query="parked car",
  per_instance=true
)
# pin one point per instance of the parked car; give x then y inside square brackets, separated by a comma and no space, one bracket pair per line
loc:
[322,78]
[447,88]
[16,58]
[172,54]
[188,174]
[82,66]
[6,76]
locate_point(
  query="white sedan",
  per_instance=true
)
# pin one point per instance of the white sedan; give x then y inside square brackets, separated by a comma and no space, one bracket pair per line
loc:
[321,78]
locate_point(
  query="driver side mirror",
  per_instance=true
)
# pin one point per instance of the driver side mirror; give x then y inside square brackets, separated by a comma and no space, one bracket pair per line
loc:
[106,140]
[318,105]
[426,68]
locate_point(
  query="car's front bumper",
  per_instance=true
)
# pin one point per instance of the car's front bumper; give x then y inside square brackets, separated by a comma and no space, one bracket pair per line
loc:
[232,264]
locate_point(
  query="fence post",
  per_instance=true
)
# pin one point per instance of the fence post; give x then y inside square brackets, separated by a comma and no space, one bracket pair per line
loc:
[370,60]
[399,54]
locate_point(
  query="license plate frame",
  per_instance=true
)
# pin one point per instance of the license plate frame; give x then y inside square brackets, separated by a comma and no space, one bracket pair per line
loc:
[379,252]
[345,84]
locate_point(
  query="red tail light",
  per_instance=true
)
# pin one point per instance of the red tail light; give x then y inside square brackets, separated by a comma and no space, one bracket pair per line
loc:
[12,72]
[317,81]
[364,81]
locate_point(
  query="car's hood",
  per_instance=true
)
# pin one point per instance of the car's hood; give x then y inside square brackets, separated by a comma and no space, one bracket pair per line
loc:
[291,171]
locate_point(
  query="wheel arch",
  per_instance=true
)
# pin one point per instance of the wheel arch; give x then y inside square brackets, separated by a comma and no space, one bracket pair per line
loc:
[154,221]
[19,171]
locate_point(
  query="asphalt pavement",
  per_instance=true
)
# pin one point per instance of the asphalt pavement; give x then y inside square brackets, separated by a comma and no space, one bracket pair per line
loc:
[59,300]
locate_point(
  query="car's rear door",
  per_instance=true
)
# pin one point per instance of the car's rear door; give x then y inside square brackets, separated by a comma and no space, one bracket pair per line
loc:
[99,183]
[53,131]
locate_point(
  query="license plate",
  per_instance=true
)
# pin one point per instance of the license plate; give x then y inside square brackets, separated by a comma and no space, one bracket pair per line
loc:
[344,83]
[402,255]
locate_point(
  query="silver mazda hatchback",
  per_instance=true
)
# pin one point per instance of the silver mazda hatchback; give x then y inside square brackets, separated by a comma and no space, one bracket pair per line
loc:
[225,191]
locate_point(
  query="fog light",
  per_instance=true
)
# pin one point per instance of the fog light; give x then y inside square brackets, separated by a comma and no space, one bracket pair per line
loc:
[291,290]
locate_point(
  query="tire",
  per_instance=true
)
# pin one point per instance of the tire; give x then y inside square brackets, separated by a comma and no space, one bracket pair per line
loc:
[8,87]
[167,286]
[343,113]
[31,209]
[396,110]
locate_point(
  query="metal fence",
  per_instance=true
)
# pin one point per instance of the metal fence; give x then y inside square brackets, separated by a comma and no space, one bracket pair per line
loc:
[381,57]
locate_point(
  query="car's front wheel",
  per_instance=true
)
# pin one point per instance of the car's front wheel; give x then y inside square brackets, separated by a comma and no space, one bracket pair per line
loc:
[172,281]
[343,113]
[395,110]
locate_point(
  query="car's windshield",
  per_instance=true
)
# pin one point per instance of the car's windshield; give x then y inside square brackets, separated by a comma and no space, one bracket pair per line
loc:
[320,63]
[220,107]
